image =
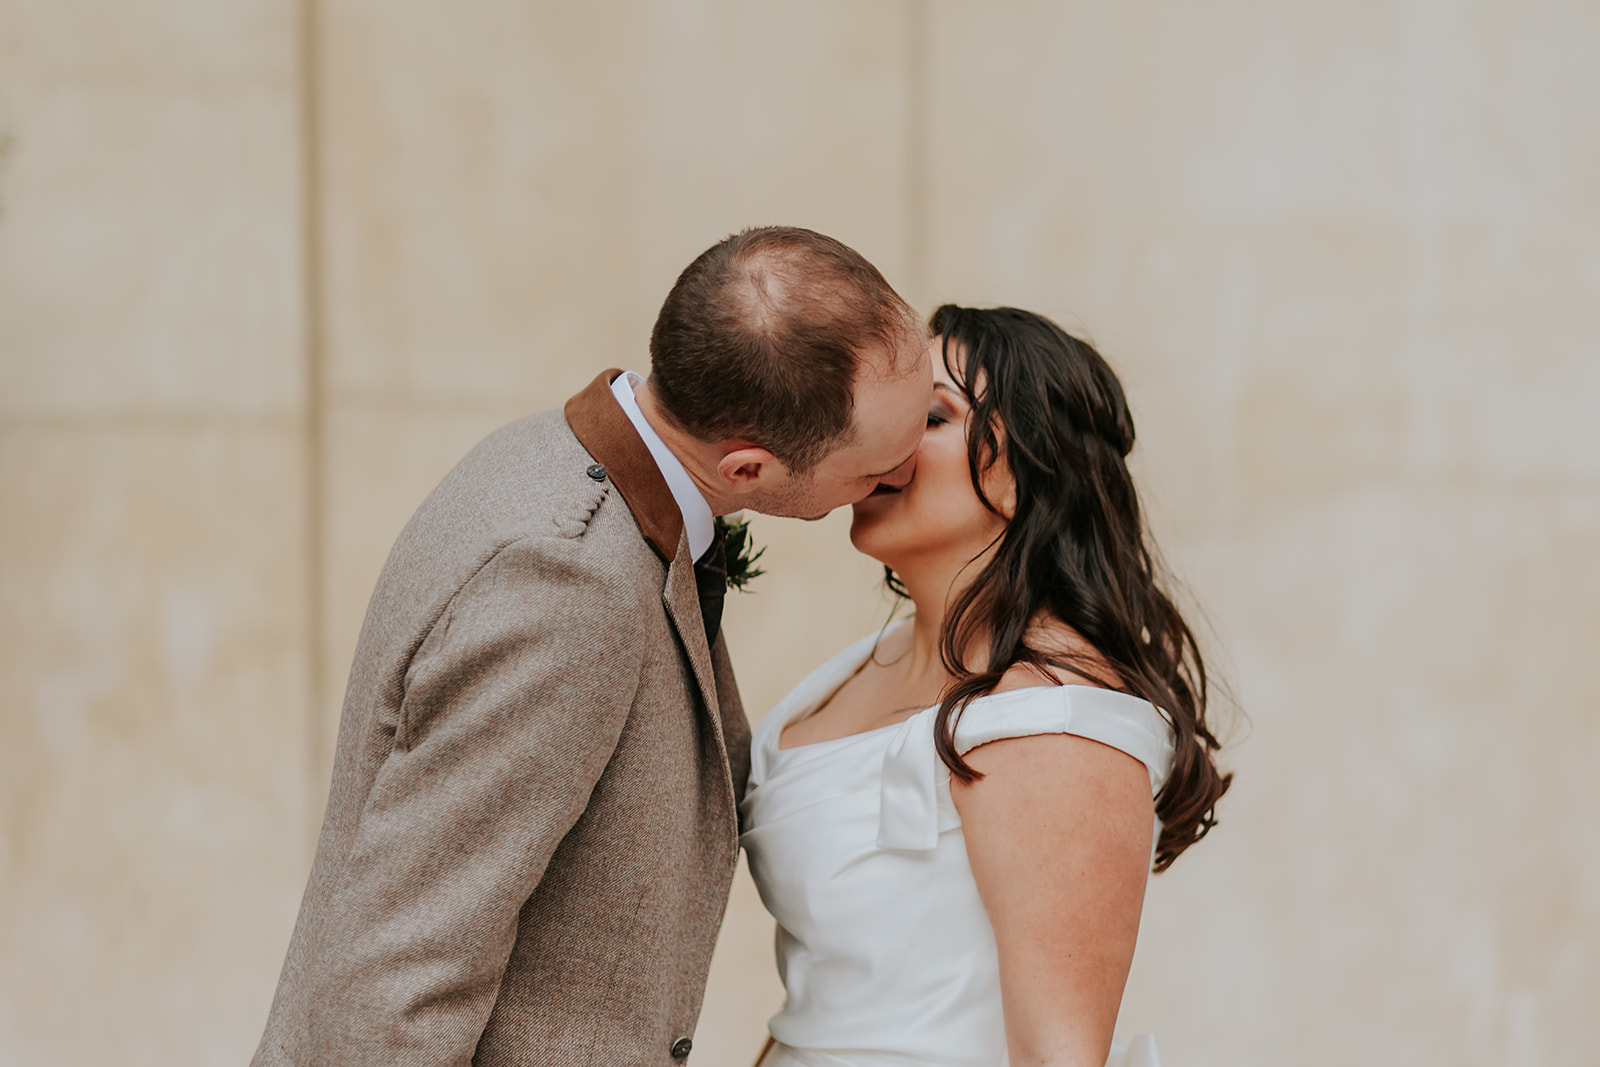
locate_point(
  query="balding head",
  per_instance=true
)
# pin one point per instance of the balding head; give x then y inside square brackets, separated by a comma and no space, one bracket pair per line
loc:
[765,336]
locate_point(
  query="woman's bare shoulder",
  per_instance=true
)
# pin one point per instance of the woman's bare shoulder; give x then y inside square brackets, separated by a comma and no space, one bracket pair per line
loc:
[1081,663]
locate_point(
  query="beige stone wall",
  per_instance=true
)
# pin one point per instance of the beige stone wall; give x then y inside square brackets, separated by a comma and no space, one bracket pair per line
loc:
[154,782]
[267,268]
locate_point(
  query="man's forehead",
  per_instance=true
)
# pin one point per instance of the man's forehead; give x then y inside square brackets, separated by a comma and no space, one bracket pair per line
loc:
[890,414]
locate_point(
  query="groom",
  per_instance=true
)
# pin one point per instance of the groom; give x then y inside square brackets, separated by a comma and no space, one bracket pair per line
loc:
[532,826]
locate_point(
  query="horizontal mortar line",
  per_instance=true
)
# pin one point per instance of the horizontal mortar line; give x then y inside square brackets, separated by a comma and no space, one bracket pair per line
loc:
[144,421]
[239,82]
[336,405]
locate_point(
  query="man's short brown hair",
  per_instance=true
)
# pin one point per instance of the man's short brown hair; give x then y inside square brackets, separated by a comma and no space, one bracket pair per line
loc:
[762,337]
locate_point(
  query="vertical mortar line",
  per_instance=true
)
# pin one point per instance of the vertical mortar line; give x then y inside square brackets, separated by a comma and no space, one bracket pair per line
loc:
[311,293]
[917,153]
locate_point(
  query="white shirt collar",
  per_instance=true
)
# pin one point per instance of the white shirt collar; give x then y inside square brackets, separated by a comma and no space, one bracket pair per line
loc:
[698,522]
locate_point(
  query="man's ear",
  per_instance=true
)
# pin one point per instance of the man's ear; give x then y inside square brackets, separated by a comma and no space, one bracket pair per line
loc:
[744,467]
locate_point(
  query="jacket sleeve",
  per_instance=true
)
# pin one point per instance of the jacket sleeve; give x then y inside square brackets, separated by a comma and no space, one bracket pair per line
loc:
[512,709]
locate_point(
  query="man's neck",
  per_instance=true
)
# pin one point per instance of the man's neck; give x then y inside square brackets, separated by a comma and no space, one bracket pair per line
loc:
[698,457]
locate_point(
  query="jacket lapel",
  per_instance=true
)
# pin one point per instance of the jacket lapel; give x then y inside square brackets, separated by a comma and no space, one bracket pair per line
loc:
[602,427]
[682,599]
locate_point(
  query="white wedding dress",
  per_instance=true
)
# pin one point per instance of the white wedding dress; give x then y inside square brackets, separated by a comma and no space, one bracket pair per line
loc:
[883,944]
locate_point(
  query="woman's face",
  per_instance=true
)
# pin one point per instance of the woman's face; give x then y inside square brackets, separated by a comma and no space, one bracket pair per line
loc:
[936,519]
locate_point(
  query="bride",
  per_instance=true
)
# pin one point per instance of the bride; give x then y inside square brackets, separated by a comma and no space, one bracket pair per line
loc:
[953,821]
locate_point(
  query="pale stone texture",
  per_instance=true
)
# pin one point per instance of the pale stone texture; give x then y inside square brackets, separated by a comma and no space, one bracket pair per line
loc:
[1343,256]
[151,254]
[153,646]
[152,685]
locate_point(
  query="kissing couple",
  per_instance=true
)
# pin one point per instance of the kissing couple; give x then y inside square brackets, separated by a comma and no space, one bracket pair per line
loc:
[544,772]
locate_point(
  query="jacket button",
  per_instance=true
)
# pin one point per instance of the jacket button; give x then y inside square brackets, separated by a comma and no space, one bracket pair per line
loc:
[681,1047]
[597,472]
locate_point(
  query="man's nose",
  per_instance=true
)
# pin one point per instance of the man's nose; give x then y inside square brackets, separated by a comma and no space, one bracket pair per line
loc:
[902,474]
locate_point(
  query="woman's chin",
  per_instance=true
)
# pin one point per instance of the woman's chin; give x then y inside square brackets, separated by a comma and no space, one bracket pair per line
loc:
[872,531]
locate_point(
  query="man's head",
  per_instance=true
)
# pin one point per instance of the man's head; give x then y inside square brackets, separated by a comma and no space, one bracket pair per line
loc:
[790,353]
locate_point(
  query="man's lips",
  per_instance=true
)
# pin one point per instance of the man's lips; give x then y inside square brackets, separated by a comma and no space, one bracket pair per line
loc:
[885,490]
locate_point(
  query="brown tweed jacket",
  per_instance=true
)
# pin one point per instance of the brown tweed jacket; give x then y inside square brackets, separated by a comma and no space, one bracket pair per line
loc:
[532,826]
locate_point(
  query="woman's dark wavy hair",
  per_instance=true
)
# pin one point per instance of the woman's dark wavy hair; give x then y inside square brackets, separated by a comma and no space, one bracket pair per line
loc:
[1075,550]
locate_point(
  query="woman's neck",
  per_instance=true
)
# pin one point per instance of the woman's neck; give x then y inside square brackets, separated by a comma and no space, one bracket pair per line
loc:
[934,586]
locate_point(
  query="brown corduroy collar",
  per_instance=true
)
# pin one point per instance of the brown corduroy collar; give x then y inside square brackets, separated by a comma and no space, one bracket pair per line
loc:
[603,428]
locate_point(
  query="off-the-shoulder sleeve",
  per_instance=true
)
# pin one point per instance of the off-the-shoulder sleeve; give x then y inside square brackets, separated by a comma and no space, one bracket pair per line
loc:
[915,805]
[1124,722]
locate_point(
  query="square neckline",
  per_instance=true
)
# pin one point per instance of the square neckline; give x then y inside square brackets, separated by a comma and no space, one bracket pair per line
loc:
[777,748]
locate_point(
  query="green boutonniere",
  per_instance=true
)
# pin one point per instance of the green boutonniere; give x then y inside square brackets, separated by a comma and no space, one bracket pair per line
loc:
[741,552]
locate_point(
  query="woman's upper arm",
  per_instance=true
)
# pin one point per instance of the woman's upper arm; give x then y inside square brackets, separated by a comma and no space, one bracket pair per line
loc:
[1058,832]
